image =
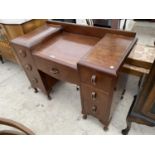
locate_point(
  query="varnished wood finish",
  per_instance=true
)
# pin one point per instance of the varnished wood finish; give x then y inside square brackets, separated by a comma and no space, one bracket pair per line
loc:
[102,80]
[96,105]
[89,30]
[109,53]
[37,36]
[72,43]
[11,31]
[87,56]
[57,70]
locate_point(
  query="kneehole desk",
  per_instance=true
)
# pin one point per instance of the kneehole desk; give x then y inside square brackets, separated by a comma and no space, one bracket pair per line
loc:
[90,57]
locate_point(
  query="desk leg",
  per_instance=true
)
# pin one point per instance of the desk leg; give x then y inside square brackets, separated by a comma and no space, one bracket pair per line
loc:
[84,116]
[35,90]
[105,128]
[77,88]
[1,59]
[140,81]
[122,95]
[49,97]
[124,25]
[127,129]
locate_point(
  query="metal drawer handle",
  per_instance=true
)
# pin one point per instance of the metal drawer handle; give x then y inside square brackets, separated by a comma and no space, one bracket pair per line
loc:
[54,71]
[22,53]
[94,108]
[28,67]
[93,79]
[93,95]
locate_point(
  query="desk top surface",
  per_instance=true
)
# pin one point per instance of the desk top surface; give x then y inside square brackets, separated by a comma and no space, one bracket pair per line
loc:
[99,48]
[66,47]
[109,52]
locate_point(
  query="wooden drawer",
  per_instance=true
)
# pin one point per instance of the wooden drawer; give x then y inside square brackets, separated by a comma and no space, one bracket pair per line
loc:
[28,65]
[94,101]
[57,70]
[95,78]
[32,74]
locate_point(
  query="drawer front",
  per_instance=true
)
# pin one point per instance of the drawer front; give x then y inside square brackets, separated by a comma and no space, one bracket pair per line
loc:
[27,63]
[56,70]
[95,78]
[33,76]
[95,101]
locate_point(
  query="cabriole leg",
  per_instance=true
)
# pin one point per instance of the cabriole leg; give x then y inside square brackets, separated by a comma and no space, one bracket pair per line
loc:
[49,97]
[127,129]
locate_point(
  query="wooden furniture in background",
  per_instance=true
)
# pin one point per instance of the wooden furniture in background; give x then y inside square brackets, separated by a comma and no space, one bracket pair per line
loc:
[22,129]
[91,57]
[143,107]
[10,31]
[139,61]
[107,23]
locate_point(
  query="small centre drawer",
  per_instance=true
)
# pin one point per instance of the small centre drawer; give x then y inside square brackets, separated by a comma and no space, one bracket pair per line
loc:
[57,70]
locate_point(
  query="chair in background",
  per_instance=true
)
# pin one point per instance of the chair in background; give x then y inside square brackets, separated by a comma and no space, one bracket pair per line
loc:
[108,23]
[66,20]
[22,129]
[142,110]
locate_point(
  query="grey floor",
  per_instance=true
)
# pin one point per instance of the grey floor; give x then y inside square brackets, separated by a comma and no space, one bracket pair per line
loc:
[62,115]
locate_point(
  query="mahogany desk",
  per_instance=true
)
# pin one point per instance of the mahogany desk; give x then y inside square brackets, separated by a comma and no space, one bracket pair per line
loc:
[90,57]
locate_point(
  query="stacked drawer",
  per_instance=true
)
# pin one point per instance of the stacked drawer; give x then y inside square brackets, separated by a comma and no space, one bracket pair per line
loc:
[26,61]
[96,93]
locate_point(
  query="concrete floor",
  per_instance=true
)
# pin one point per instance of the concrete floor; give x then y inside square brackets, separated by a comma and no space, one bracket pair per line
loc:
[62,115]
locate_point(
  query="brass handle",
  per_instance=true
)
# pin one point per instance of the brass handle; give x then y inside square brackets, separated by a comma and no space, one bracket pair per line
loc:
[93,79]
[94,108]
[54,71]
[93,95]
[34,80]
[28,67]
[22,53]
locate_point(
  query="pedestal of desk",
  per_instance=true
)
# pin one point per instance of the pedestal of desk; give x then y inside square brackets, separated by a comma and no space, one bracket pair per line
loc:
[100,93]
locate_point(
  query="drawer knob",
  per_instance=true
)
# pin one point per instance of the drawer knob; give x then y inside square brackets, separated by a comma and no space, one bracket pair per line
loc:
[22,53]
[94,108]
[54,71]
[93,79]
[34,80]
[93,95]
[28,67]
